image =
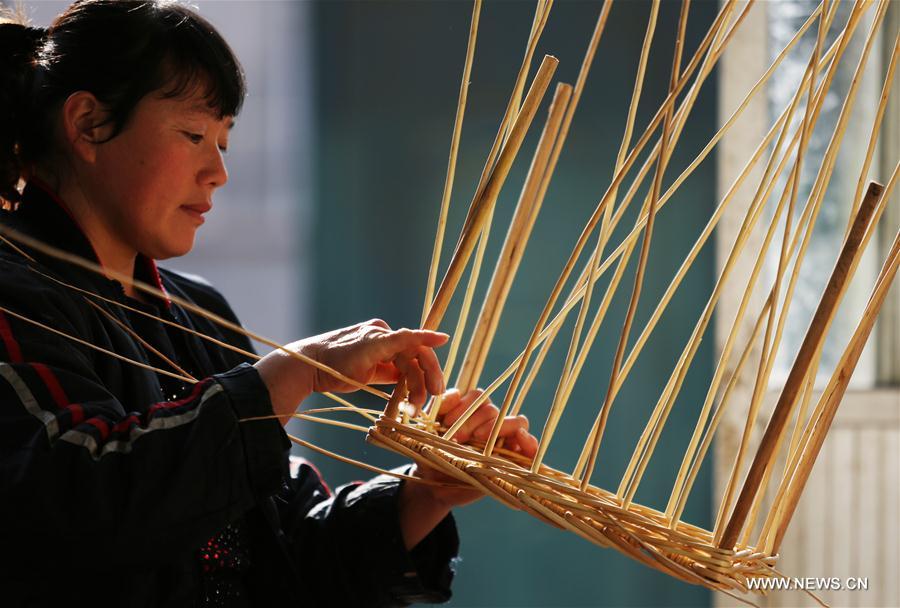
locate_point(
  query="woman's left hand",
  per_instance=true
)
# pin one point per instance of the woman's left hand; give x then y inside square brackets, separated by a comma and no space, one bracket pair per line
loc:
[513,431]
[423,506]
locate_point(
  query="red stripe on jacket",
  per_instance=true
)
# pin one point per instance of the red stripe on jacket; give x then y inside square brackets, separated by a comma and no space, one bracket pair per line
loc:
[12,347]
[170,404]
[53,385]
[58,393]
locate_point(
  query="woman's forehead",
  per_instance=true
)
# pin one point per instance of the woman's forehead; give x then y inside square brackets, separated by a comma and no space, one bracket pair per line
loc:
[195,107]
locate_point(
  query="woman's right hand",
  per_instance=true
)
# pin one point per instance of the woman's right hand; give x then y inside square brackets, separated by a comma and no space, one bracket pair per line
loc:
[369,353]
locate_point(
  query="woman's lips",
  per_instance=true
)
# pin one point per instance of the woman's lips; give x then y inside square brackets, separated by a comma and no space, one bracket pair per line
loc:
[196,211]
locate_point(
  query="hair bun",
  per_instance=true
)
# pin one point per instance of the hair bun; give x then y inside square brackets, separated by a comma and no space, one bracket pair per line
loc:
[19,40]
[19,44]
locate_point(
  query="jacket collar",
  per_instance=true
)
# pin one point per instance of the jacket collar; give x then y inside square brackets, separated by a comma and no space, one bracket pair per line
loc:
[42,215]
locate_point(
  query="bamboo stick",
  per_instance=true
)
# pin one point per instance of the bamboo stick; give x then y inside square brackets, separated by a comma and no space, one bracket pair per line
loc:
[595,217]
[451,163]
[78,340]
[822,181]
[642,263]
[876,127]
[837,386]
[80,262]
[485,201]
[525,215]
[793,458]
[558,404]
[681,492]
[463,316]
[819,325]
[630,240]
[645,449]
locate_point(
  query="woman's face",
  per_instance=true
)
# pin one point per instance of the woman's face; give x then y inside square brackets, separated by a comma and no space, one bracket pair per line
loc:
[154,181]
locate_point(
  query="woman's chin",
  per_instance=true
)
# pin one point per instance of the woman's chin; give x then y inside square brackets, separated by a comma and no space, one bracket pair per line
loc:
[174,248]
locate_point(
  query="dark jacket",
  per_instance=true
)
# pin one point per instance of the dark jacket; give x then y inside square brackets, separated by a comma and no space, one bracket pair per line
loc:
[113,478]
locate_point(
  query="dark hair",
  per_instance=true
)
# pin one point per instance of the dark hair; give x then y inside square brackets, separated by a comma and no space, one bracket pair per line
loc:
[118,50]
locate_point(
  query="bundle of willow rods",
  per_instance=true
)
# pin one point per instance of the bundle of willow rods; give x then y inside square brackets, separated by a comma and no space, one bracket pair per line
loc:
[726,556]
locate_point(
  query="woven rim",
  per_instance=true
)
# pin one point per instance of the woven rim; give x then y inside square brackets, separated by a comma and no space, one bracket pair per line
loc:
[686,552]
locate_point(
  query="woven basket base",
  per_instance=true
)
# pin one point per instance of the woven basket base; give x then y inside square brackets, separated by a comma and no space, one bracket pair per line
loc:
[686,552]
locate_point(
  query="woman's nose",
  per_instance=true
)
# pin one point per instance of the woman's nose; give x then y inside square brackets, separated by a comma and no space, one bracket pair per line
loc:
[215,174]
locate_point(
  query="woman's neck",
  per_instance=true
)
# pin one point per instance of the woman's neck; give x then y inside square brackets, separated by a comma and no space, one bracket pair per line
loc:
[116,258]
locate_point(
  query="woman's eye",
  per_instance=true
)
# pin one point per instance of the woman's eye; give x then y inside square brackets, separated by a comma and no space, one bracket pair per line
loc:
[194,137]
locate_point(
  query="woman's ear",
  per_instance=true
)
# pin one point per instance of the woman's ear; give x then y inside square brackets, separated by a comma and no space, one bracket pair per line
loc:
[85,124]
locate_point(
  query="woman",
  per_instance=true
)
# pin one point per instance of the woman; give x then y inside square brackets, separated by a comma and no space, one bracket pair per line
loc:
[124,486]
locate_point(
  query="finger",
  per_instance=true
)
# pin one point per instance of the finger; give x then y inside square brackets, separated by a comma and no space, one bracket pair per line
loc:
[415,379]
[528,443]
[455,406]
[434,377]
[385,373]
[449,400]
[483,416]
[509,428]
[408,339]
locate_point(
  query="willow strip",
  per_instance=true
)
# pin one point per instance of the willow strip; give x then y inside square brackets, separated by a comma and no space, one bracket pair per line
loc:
[680,492]
[876,128]
[606,407]
[880,206]
[451,163]
[80,262]
[673,387]
[628,243]
[835,390]
[592,222]
[367,467]
[822,180]
[770,343]
[499,156]
[818,326]
[520,227]
[95,347]
[557,405]
[485,200]
[729,343]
